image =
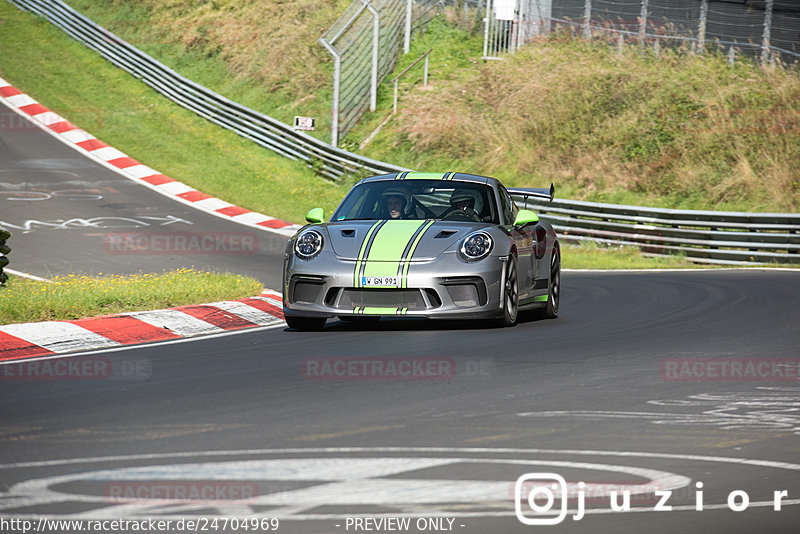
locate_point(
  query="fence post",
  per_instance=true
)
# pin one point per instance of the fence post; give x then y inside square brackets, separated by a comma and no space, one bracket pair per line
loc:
[731,56]
[765,52]
[376,35]
[643,23]
[486,28]
[701,26]
[337,72]
[587,20]
[407,32]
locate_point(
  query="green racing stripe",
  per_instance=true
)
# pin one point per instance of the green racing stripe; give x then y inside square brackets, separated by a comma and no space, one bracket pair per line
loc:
[364,247]
[386,248]
[408,253]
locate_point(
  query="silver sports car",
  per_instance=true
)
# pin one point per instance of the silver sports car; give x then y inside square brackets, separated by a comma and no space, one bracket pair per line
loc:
[430,245]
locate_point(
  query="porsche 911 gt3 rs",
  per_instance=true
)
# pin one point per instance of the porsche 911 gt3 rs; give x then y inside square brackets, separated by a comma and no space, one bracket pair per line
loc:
[448,246]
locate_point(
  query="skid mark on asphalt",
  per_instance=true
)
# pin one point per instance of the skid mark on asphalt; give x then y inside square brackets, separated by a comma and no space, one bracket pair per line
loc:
[767,409]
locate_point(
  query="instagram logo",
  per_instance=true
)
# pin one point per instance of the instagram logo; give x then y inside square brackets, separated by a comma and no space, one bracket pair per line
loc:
[541,489]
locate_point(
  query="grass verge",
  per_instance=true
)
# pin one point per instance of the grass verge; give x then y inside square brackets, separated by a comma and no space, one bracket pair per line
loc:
[76,82]
[589,255]
[74,297]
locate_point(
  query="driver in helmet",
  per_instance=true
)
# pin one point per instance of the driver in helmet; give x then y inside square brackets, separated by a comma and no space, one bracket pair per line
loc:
[396,203]
[464,203]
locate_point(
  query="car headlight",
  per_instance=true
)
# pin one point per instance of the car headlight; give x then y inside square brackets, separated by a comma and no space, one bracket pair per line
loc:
[476,246]
[308,244]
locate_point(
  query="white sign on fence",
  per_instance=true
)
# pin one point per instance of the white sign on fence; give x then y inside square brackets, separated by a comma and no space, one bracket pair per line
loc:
[504,9]
[304,123]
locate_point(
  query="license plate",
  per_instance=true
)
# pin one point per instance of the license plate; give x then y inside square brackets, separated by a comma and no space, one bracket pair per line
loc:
[379,281]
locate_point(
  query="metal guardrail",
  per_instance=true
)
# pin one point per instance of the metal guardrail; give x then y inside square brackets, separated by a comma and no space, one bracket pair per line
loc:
[261,129]
[703,236]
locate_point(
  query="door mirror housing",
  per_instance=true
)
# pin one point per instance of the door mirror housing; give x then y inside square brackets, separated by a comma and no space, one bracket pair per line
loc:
[315,216]
[525,217]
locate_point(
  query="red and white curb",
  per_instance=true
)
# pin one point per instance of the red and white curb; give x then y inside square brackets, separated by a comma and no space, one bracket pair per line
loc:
[128,167]
[30,340]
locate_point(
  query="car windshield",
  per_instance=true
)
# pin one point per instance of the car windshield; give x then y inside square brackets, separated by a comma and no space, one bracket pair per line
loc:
[419,199]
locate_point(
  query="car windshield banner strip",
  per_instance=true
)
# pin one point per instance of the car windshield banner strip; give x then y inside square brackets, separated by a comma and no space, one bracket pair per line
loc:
[425,176]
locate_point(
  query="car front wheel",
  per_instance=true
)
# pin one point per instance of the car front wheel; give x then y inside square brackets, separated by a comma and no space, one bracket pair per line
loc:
[510,293]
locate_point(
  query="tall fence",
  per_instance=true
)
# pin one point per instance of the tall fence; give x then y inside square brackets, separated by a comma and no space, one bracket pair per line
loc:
[700,235]
[265,131]
[763,29]
[365,43]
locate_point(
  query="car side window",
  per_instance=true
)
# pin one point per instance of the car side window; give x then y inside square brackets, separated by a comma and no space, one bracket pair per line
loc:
[507,205]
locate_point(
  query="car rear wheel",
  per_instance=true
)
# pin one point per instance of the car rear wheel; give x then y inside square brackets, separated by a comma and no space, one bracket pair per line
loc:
[510,293]
[305,323]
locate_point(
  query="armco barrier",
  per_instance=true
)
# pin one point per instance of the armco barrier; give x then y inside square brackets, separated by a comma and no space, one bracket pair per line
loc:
[703,236]
[259,128]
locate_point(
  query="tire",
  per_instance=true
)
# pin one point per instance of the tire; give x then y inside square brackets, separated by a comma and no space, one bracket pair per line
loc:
[305,323]
[550,311]
[510,294]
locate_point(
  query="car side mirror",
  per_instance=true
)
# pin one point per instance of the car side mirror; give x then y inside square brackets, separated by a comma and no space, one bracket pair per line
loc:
[525,217]
[315,216]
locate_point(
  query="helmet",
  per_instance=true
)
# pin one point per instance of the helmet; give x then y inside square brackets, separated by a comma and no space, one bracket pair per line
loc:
[467,195]
[397,192]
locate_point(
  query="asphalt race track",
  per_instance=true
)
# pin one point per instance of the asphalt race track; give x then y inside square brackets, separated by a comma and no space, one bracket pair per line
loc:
[648,381]
[69,214]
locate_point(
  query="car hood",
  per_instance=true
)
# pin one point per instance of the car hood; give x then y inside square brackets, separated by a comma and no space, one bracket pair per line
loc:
[393,240]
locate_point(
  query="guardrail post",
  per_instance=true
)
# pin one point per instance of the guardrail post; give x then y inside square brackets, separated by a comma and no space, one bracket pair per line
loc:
[4,249]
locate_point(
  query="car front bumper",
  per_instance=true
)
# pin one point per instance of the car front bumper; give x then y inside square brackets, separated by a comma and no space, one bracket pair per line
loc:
[467,290]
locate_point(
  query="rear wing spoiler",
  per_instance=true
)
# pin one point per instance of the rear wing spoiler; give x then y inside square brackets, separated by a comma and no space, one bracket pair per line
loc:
[537,192]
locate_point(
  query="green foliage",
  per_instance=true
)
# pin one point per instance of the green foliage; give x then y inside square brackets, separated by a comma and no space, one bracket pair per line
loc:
[73,297]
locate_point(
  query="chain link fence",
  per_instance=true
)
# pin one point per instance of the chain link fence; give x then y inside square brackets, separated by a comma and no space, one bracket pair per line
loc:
[767,30]
[365,43]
